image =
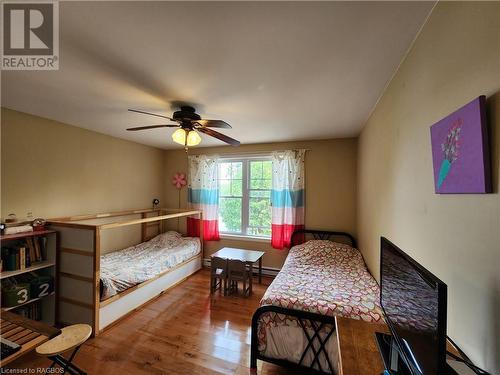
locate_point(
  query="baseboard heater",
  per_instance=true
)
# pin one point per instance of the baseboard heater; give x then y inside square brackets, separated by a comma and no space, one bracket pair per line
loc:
[267,271]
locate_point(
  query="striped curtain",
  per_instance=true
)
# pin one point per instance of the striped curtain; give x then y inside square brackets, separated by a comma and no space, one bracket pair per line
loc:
[287,196]
[203,194]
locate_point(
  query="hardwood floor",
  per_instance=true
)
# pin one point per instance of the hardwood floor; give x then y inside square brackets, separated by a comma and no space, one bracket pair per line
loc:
[185,331]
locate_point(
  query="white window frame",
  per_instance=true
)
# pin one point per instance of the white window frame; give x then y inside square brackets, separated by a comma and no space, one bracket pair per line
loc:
[245,197]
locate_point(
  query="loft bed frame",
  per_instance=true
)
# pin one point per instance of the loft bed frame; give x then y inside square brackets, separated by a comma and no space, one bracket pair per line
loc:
[312,324]
[79,255]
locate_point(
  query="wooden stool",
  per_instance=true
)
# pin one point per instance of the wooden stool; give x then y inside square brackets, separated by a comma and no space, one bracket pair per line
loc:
[71,337]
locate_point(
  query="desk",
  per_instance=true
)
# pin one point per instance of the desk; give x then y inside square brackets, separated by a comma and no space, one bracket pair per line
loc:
[247,256]
[25,332]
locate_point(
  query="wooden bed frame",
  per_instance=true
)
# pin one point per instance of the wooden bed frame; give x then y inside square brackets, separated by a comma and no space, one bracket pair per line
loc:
[79,265]
[316,343]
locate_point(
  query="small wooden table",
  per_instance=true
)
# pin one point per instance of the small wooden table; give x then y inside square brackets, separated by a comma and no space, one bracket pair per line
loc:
[25,332]
[247,256]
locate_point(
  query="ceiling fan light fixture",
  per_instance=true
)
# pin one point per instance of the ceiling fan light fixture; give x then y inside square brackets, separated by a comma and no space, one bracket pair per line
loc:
[193,138]
[186,137]
[179,136]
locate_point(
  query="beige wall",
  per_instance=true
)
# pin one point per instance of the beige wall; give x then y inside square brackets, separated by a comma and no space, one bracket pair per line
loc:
[330,188]
[53,169]
[455,59]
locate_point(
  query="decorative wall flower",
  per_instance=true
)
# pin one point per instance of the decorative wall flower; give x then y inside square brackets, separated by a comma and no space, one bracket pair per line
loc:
[450,148]
[179,180]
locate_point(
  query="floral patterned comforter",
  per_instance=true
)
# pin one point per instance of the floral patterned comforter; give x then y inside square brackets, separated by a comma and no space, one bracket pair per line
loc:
[125,268]
[321,277]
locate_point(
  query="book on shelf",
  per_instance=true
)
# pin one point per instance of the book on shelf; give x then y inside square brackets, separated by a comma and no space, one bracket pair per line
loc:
[28,258]
[18,229]
[43,247]
[22,258]
[32,311]
[37,248]
[17,223]
[31,246]
[23,253]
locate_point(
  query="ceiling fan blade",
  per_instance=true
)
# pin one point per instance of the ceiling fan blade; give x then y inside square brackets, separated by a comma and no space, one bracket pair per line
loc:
[149,113]
[222,137]
[213,124]
[152,127]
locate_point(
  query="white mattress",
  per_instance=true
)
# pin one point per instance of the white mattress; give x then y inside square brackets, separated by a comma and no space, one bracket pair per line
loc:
[125,268]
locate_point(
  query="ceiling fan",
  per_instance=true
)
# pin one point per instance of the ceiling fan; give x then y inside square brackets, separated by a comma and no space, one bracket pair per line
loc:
[189,124]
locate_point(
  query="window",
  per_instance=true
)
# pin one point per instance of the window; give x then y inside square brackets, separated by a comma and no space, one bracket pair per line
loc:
[245,196]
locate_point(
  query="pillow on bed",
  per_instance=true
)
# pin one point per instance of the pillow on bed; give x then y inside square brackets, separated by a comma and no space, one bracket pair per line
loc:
[171,237]
[320,246]
[313,250]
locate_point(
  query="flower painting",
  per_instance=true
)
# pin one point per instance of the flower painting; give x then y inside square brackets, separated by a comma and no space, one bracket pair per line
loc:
[450,151]
[460,151]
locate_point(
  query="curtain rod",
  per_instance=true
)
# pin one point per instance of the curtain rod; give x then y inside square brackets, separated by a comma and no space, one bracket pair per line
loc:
[249,152]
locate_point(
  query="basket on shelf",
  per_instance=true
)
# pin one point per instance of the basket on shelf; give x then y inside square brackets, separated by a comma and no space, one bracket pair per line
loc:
[41,286]
[15,294]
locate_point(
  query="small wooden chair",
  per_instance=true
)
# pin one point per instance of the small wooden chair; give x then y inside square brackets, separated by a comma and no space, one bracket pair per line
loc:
[218,275]
[238,271]
[71,337]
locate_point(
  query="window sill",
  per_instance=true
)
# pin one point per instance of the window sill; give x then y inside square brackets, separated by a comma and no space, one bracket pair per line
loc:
[225,236]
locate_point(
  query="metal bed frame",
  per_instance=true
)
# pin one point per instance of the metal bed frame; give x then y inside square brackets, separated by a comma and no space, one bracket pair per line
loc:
[312,324]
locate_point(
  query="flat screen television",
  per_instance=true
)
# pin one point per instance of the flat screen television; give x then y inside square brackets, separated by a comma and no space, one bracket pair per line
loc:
[414,304]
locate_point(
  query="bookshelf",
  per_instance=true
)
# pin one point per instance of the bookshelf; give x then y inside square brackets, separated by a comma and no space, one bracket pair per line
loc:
[45,305]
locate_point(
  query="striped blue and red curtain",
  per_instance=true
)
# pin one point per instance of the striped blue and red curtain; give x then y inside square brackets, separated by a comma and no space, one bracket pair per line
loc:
[203,194]
[287,196]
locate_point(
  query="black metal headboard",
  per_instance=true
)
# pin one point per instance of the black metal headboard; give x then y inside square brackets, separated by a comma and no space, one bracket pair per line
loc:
[321,235]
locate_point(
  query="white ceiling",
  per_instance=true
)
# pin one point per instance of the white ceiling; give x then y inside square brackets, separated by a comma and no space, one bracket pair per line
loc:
[276,71]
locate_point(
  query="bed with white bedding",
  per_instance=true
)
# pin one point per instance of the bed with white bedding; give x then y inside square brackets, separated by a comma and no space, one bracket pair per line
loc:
[123,269]
[319,280]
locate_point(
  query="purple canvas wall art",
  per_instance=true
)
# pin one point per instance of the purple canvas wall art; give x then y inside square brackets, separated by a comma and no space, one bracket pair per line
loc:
[460,151]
